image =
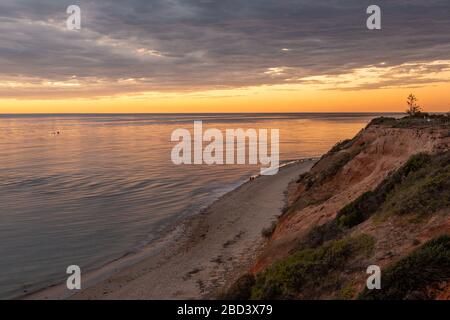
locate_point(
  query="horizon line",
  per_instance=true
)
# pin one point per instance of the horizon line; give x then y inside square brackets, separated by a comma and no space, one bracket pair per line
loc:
[175,113]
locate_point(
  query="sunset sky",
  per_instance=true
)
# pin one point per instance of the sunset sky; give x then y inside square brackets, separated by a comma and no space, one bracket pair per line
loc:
[223,56]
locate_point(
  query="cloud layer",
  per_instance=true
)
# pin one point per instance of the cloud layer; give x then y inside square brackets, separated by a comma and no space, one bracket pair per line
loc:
[158,45]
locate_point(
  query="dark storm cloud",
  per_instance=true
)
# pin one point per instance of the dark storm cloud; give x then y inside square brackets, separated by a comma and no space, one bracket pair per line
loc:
[202,44]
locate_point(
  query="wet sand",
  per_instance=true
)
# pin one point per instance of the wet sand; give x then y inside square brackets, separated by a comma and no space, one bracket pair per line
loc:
[205,253]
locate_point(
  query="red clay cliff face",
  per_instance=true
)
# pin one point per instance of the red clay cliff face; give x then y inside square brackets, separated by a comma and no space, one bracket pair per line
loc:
[372,155]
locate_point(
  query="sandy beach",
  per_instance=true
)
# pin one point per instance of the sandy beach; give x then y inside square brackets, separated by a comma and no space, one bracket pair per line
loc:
[208,251]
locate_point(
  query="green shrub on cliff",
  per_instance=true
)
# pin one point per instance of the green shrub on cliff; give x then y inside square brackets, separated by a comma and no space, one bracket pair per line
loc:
[267,232]
[307,270]
[369,202]
[420,186]
[241,289]
[321,234]
[424,191]
[413,276]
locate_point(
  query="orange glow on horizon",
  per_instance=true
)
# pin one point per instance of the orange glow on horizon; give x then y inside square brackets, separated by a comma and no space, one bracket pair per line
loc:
[335,93]
[433,99]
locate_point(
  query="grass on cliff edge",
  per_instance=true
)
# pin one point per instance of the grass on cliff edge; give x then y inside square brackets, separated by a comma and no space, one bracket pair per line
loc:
[414,276]
[304,272]
[422,192]
[422,120]
[421,186]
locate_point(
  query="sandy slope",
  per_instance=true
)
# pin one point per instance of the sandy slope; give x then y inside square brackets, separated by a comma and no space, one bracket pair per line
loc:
[213,248]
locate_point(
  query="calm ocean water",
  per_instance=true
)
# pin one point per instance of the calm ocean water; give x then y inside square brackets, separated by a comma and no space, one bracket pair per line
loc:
[106,185]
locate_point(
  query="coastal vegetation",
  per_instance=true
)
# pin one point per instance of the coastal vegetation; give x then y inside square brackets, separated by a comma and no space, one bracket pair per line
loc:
[305,272]
[415,276]
[421,186]
[383,223]
[267,232]
[424,120]
[415,117]
[424,191]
